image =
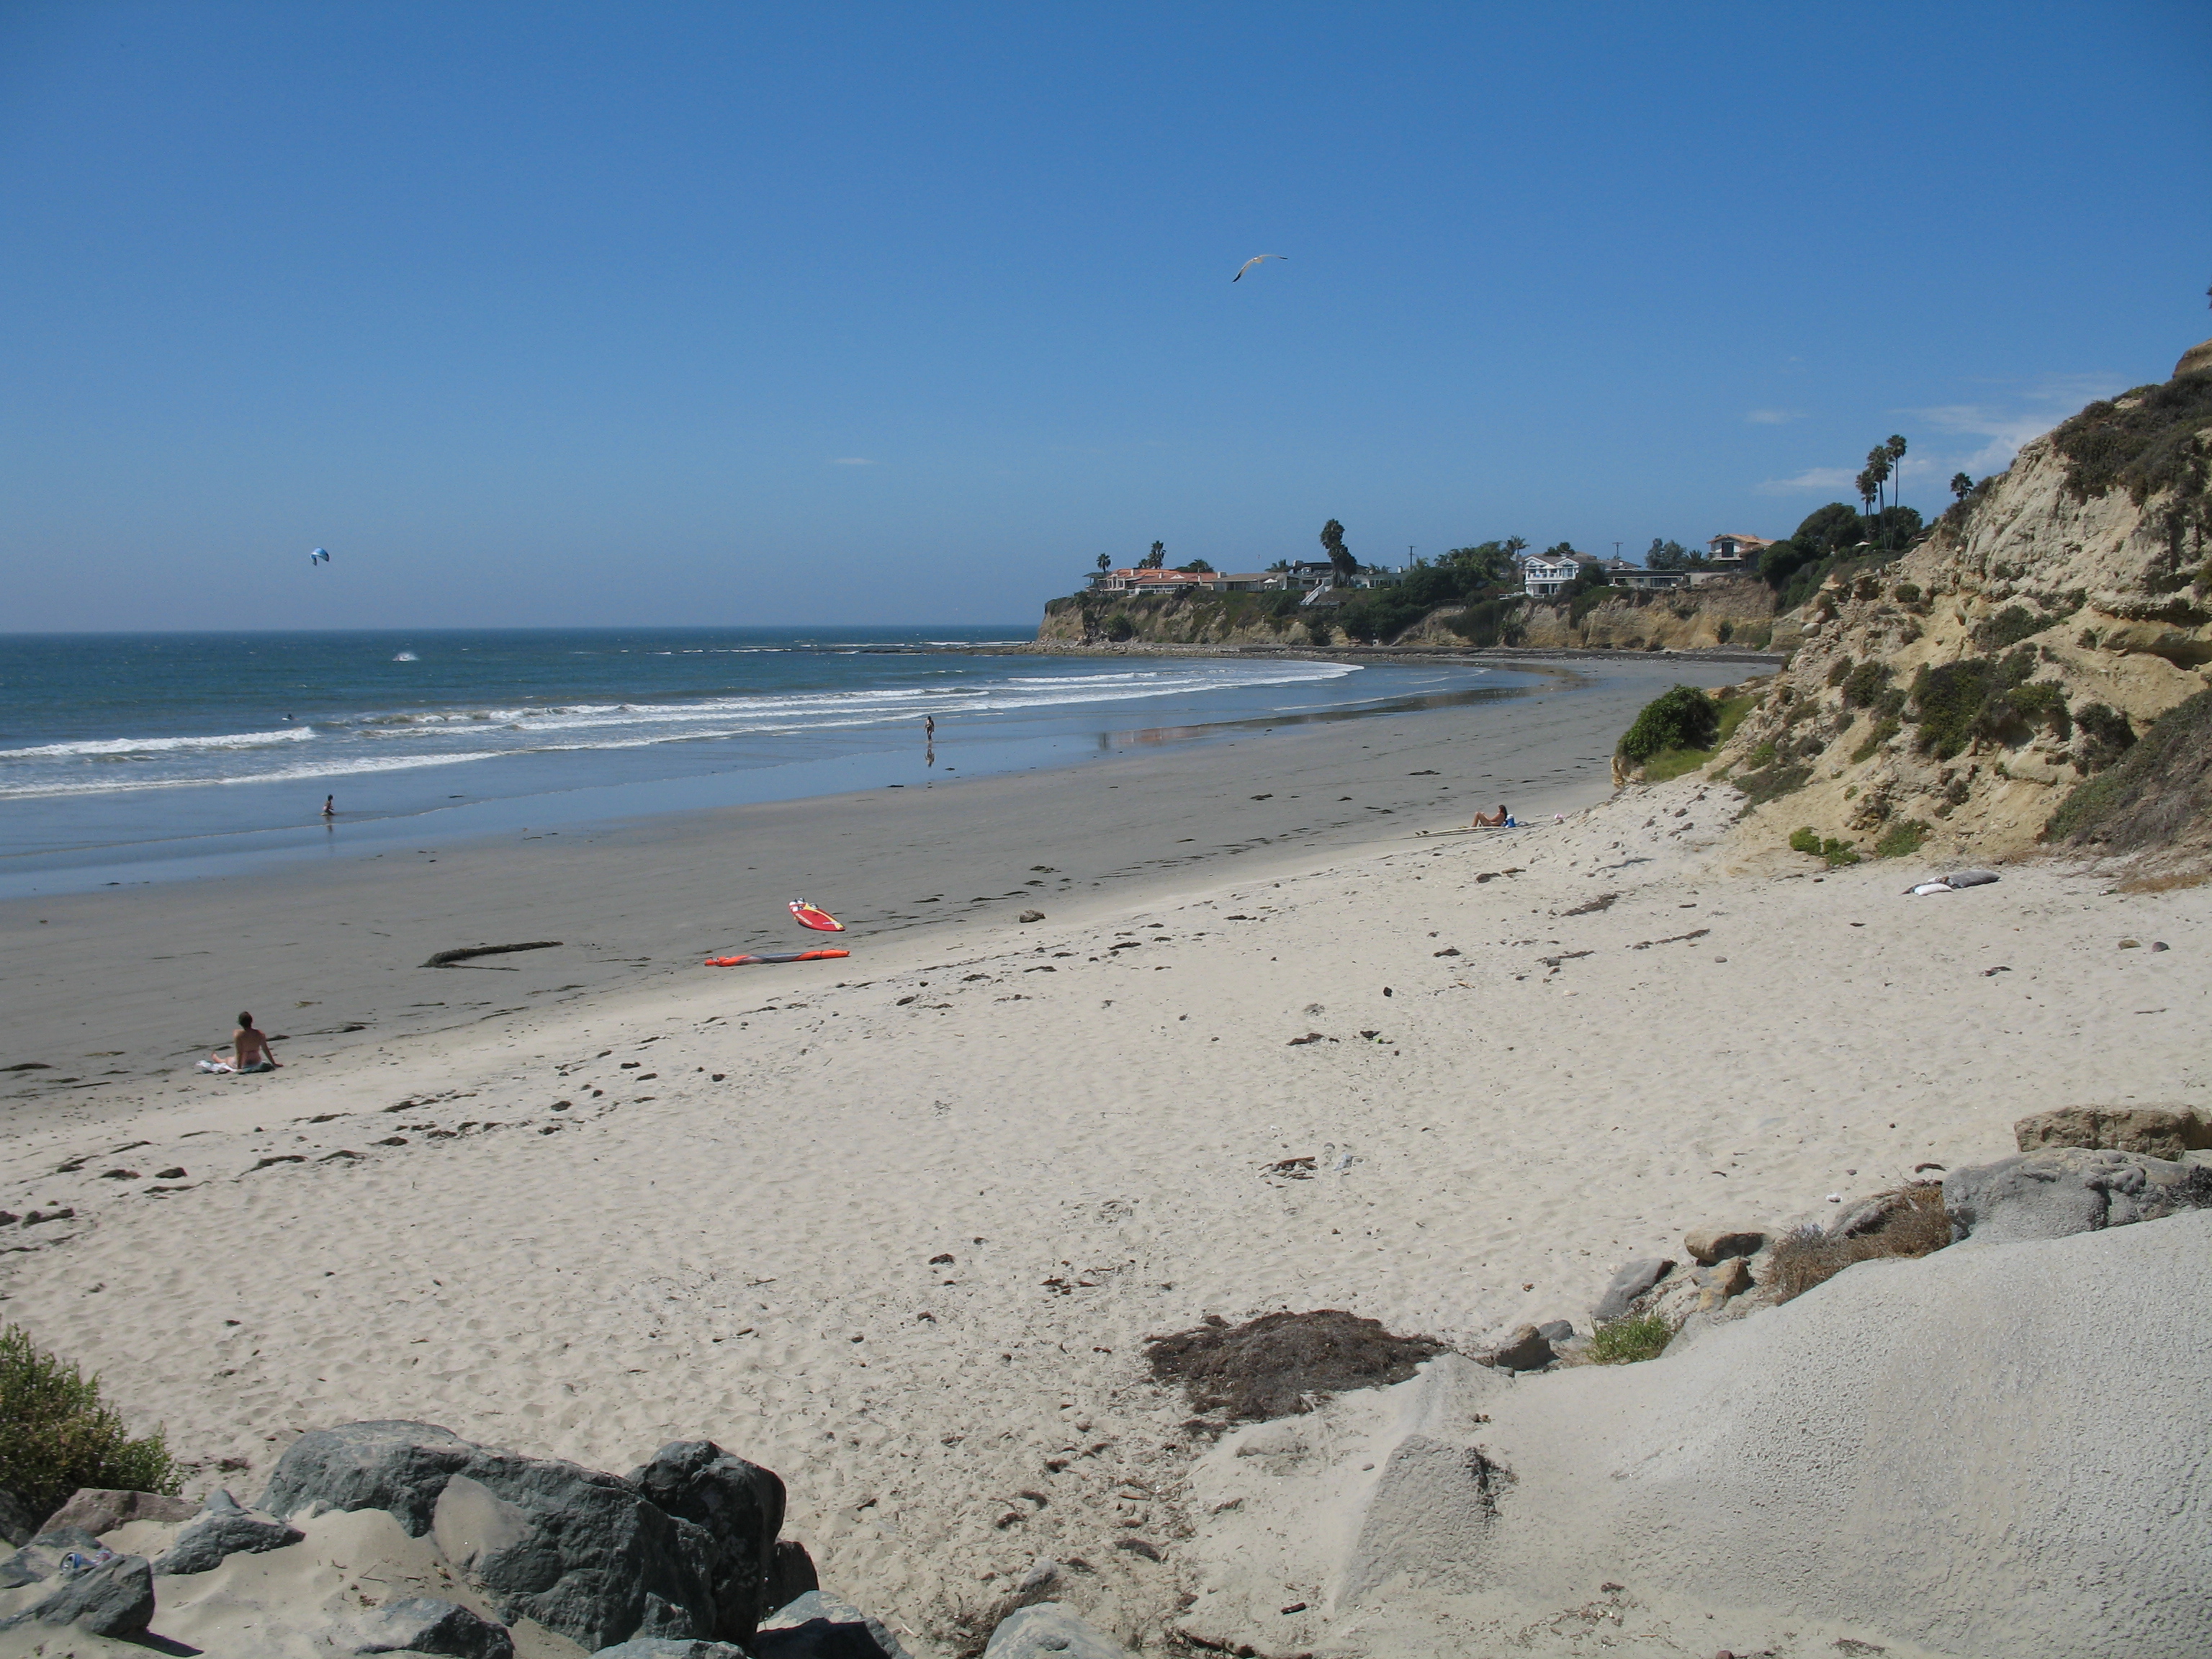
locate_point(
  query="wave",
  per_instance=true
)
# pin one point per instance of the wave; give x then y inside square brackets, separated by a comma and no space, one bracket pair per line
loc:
[400,739]
[93,748]
[335,768]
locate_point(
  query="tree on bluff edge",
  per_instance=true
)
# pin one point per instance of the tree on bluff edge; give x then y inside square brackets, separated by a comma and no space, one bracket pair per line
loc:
[1331,542]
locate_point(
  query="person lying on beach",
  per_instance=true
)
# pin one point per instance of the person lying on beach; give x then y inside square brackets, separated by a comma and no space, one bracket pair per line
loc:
[1501,819]
[250,1051]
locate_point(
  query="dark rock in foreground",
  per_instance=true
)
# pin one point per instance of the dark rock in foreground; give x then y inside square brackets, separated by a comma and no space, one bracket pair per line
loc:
[820,1626]
[585,1553]
[422,1623]
[740,1506]
[115,1600]
[221,1530]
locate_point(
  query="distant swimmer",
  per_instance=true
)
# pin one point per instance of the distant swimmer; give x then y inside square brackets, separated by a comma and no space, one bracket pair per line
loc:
[329,805]
[1255,260]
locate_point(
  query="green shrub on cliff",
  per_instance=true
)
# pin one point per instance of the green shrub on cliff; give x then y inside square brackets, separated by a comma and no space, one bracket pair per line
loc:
[1120,628]
[55,1435]
[2160,793]
[1682,717]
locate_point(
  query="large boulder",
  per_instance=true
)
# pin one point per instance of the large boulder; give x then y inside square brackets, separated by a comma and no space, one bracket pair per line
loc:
[818,1625]
[99,1509]
[740,1506]
[584,1553]
[422,1624]
[221,1530]
[398,1467]
[1046,1628]
[2164,1132]
[114,1599]
[2068,1189]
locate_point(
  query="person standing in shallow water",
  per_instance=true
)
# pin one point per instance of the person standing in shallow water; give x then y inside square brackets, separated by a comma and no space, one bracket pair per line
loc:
[330,807]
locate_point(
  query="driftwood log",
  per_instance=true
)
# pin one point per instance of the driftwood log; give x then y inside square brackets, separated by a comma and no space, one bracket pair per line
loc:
[447,958]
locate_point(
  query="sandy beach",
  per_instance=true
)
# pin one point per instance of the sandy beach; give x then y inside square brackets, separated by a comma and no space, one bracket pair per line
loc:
[897,1227]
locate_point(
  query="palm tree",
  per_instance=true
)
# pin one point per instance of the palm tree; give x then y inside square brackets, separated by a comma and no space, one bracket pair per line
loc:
[1962,486]
[1893,450]
[1870,488]
[1156,558]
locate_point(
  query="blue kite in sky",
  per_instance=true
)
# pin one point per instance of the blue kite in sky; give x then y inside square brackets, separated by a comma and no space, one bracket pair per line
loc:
[320,555]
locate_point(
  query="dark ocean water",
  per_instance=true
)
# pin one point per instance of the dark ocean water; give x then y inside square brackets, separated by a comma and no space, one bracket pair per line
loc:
[131,749]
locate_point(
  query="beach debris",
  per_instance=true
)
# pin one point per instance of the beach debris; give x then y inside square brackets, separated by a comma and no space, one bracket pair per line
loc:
[1283,1364]
[447,958]
[1294,1168]
[1591,906]
[1256,259]
[1310,1036]
[1034,915]
[1672,939]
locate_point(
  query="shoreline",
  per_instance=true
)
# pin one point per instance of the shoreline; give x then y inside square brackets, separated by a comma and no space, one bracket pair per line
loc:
[108,992]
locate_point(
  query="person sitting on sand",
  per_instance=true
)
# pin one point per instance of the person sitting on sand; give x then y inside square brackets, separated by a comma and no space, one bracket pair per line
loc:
[1497,820]
[249,1050]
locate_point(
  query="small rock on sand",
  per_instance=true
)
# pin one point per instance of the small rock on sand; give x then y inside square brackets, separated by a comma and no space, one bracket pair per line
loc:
[1710,1245]
[1631,1282]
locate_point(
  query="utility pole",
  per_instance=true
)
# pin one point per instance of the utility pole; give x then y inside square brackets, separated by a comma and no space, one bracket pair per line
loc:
[1616,551]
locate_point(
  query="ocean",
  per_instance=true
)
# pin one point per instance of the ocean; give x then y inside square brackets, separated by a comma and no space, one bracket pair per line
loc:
[130,757]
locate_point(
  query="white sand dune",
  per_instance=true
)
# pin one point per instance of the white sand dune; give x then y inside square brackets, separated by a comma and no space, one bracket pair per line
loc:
[732,1228]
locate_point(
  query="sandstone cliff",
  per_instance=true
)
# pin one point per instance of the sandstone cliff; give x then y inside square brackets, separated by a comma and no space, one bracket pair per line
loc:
[1958,694]
[1738,611]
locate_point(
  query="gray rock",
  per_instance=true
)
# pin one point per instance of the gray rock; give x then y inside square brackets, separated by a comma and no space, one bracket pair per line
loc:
[221,1530]
[1049,1627]
[793,1574]
[583,1553]
[1631,1282]
[399,1467]
[422,1624]
[1526,1349]
[670,1647]
[817,1625]
[113,1600]
[42,1556]
[1710,1245]
[100,1509]
[740,1506]
[2068,1189]
[1558,1331]
[2155,1130]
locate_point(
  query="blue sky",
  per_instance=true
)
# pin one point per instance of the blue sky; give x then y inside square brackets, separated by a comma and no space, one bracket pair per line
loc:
[564,314]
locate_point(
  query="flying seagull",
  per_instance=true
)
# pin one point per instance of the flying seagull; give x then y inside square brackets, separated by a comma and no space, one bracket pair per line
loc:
[1255,260]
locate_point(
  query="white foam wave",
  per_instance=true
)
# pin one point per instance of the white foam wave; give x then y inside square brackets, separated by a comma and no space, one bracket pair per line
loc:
[336,768]
[94,747]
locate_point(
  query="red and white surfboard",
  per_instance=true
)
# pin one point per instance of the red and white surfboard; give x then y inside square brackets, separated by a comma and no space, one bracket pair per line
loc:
[821,920]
